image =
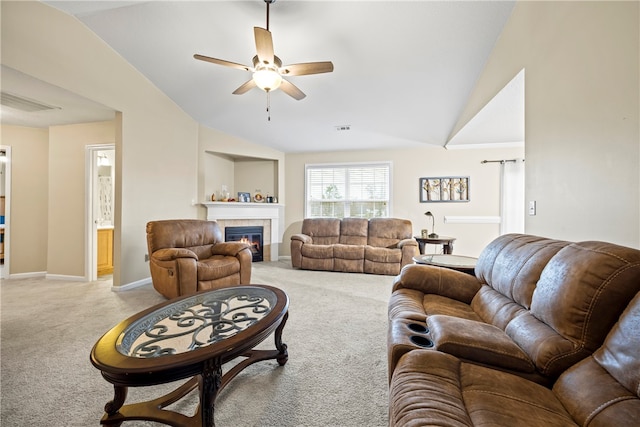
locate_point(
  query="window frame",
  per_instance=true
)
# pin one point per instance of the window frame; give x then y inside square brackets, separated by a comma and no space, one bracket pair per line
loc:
[347,165]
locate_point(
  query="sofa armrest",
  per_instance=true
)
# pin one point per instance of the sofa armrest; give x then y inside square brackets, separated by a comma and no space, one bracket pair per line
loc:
[407,242]
[228,248]
[170,254]
[302,237]
[430,279]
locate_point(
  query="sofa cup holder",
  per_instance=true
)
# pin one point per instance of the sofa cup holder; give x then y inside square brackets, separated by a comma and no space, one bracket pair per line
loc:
[418,328]
[421,341]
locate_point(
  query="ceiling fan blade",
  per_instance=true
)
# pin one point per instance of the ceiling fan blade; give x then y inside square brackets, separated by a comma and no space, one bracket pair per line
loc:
[264,45]
[245,87]
[222,62]
[291,90]
[307,68]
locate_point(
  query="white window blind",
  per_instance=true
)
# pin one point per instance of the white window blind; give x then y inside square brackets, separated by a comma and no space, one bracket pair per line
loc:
[347,190]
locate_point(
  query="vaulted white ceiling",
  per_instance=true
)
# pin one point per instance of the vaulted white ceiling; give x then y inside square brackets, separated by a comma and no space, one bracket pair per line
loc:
[404,70]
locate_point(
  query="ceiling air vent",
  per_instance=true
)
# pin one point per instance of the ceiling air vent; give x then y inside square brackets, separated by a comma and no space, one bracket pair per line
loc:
[343,128]
[23,104]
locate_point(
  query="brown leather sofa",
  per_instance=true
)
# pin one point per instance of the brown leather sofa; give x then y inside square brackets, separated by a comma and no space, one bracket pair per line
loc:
[536,308]
[189,255]
[436,389]
[355,245]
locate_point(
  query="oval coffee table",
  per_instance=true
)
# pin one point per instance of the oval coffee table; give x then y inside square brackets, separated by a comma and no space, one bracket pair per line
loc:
[189,337]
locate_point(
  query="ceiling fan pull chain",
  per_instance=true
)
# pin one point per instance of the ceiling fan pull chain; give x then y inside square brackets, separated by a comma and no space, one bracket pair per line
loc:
[269,106]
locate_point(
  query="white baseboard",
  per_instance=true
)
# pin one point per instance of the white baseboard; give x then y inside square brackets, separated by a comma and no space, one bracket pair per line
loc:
[66,277]
[33,274]
[132,285]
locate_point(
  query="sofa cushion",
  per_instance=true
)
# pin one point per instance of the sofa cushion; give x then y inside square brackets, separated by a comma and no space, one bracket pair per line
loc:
[438,304]
[353,231]
[323,231]
[387,232]
[348,258]
[317,251]
[436,389]
[477,341]
[348,252]
[217,266]
[376,254]
[495,308]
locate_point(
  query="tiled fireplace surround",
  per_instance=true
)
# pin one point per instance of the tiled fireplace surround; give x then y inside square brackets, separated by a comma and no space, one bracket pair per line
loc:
[236,214]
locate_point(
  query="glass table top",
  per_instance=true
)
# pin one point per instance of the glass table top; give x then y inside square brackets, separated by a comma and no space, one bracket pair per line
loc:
[447,260]
[196,321]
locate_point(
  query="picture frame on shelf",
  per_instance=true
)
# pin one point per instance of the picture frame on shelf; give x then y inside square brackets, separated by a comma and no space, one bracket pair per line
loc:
[244,197]
[444,189]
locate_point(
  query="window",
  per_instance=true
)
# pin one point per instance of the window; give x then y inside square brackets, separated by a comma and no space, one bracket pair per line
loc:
[345,190]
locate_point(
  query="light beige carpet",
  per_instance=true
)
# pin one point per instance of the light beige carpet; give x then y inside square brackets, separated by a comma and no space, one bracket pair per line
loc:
[336,337]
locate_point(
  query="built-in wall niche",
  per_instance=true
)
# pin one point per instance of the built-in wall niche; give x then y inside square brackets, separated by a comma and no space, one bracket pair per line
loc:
[239,174]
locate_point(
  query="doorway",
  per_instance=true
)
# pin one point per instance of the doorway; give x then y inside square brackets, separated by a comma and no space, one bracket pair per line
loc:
[5,204]
[100,184]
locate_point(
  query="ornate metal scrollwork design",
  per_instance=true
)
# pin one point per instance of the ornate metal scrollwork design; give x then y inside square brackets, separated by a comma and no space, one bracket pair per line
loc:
[193,324]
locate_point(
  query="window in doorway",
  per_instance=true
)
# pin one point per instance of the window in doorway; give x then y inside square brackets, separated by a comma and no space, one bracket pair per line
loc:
[345,190]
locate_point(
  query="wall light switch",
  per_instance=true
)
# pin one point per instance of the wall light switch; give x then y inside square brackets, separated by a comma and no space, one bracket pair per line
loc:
[532,207]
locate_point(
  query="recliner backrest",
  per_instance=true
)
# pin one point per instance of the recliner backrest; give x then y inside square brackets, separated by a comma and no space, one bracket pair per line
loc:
[388,232]
[323,231]
[620,353]
[580,295]
[604,389]
[196,235]
[353,231]
[509,267]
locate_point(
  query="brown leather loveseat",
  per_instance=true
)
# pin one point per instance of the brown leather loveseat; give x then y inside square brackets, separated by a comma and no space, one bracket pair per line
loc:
[355,245]
[532,317]
[190,255]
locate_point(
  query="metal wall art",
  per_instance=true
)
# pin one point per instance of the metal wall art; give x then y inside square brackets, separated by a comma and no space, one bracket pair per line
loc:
[444,189]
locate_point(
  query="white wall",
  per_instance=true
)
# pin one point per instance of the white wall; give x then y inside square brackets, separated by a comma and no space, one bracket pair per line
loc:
[409,165]
[581,114]
[156,142]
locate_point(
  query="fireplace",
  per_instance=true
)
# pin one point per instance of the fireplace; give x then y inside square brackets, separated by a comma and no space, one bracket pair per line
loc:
[250,235]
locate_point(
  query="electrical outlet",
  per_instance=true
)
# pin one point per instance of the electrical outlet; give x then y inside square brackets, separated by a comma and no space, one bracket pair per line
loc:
[532,207]
[146,257]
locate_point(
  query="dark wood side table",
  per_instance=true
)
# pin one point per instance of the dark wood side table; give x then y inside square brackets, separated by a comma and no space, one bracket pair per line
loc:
[446,242]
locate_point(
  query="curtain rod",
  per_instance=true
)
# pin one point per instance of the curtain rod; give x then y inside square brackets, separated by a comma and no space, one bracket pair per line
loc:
[500,161]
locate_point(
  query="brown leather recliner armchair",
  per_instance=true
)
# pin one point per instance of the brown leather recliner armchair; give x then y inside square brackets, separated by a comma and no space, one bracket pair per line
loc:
[188,255]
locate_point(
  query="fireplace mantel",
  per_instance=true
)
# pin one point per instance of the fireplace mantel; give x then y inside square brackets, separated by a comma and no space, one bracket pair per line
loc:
[220,211]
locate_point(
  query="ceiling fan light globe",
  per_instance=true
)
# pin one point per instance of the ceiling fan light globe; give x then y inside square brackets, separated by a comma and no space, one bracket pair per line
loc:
[267,79]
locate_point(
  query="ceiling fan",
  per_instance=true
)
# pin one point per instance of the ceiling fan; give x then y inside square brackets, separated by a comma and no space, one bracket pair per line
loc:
[267,69]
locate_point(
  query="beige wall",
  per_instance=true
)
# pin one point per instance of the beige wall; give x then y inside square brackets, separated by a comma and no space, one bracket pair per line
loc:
[581,113]
[218,164]
[67,199]
[29,197]
[408,167]
[583,155]
[156,142]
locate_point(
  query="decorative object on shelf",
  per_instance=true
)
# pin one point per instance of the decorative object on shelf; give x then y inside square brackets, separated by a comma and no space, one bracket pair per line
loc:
[433,226]
[213,197]
[244,197]
[444,189]
[258,198]
[224,193]
[269,199]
